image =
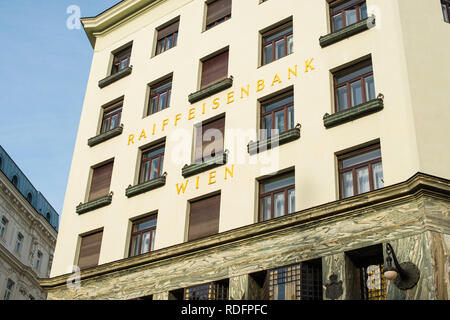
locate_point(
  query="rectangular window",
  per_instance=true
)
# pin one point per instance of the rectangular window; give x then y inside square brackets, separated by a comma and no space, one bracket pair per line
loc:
[360,171]
[37,263]
[101,180]
[112,115]
[121,60]
[19,242]
[159,96]
[302,281]
[152,163]
[167,37]
[9,290]
[354,85]
[90,250]
[3,227]
[277,196]
[143,234]
[209,139]
[365,269]
[208,291]
[218,11]
[277,114]
[204,217]
[446,10]
[277,43]
[346,12]
[214,69]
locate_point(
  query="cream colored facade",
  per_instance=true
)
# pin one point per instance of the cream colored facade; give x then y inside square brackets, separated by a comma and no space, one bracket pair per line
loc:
[409,53]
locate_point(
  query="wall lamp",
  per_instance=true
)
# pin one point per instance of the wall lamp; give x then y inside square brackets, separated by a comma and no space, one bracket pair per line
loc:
[405,275]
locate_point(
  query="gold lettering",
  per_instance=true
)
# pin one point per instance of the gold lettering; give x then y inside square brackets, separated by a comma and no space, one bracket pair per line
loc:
[204,107]
[191,114]
[154,128]
[260,85]
[165,123]
[230,97]
[231,172]
[143,135]
[196,185]
[276,79]
[182,187]
[247,92]
[131,139]
[308,65]
[177,118]
[212,175]
[293,72]
[216,103]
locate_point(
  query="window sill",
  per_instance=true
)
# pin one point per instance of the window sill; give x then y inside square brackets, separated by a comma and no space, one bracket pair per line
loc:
[353,113]
[115,77]
[196,168]
[95,204]
[347,32]
[210,90]
[105,136]
[275,141]
[132,191]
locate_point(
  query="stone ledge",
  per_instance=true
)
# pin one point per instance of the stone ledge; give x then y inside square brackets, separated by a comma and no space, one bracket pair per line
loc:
[210,90]
[275,141]
[132,191]
[347,32]
[105,136]
[196,168]
[95,204]
[114,77]
[353,113]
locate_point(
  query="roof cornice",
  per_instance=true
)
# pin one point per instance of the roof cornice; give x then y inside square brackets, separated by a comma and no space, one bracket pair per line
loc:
[114,16]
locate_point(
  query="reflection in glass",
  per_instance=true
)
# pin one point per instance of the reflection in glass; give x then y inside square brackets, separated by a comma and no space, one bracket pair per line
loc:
[362,176]
[279,204]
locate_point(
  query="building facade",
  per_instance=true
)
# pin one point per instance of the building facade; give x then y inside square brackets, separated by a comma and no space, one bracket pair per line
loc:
[28,231]
[260,150]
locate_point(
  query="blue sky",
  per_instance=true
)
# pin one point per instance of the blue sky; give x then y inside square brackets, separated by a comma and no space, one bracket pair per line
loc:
[43,76]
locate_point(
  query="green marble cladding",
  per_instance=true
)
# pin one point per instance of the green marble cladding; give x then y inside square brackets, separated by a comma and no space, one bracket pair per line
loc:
[413,216]
[132,191]
[353,113]
[347,32]
[115,77]
[95,204]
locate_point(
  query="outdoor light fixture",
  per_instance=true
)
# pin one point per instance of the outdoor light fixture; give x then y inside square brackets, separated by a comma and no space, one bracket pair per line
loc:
[405,275]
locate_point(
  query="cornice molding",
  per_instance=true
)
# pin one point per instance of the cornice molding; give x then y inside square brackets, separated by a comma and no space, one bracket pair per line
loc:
[416,186]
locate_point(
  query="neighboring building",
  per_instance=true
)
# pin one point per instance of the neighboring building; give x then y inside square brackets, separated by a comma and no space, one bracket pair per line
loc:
[172,192]
[28,231]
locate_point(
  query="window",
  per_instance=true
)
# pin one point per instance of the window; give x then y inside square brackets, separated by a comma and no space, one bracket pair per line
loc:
[90,250]
[29,197]
[47,216]
[3,227]
[167,37]
[143,236]
[365,269]
[209,139]
[218,11]
[360,171]
[277,196]
[19,242]
[214,69]
[159,96]
[111,116]
[277,114]
[121,60]
[100,182]
[204,217]
[9,290]
[208,291]
[446,10]
[37,263]
[15,180]
[152,163]
[277,43]
[346,12]
[301,281]
[354,85]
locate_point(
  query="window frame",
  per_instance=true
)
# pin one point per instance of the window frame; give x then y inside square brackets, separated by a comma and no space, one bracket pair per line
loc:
[285,107]
[348,70]
[120,56]
[337,3]
[204,144]
[219,290]
[262,195]
[109,112]
[207,61]
[214,23]
[446,4]
[38,262]
[271,32]
[3,227]
[135,234]
[159,156]
[9,289]
[154,87]
[173,35]
[353,168]
[19,242]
